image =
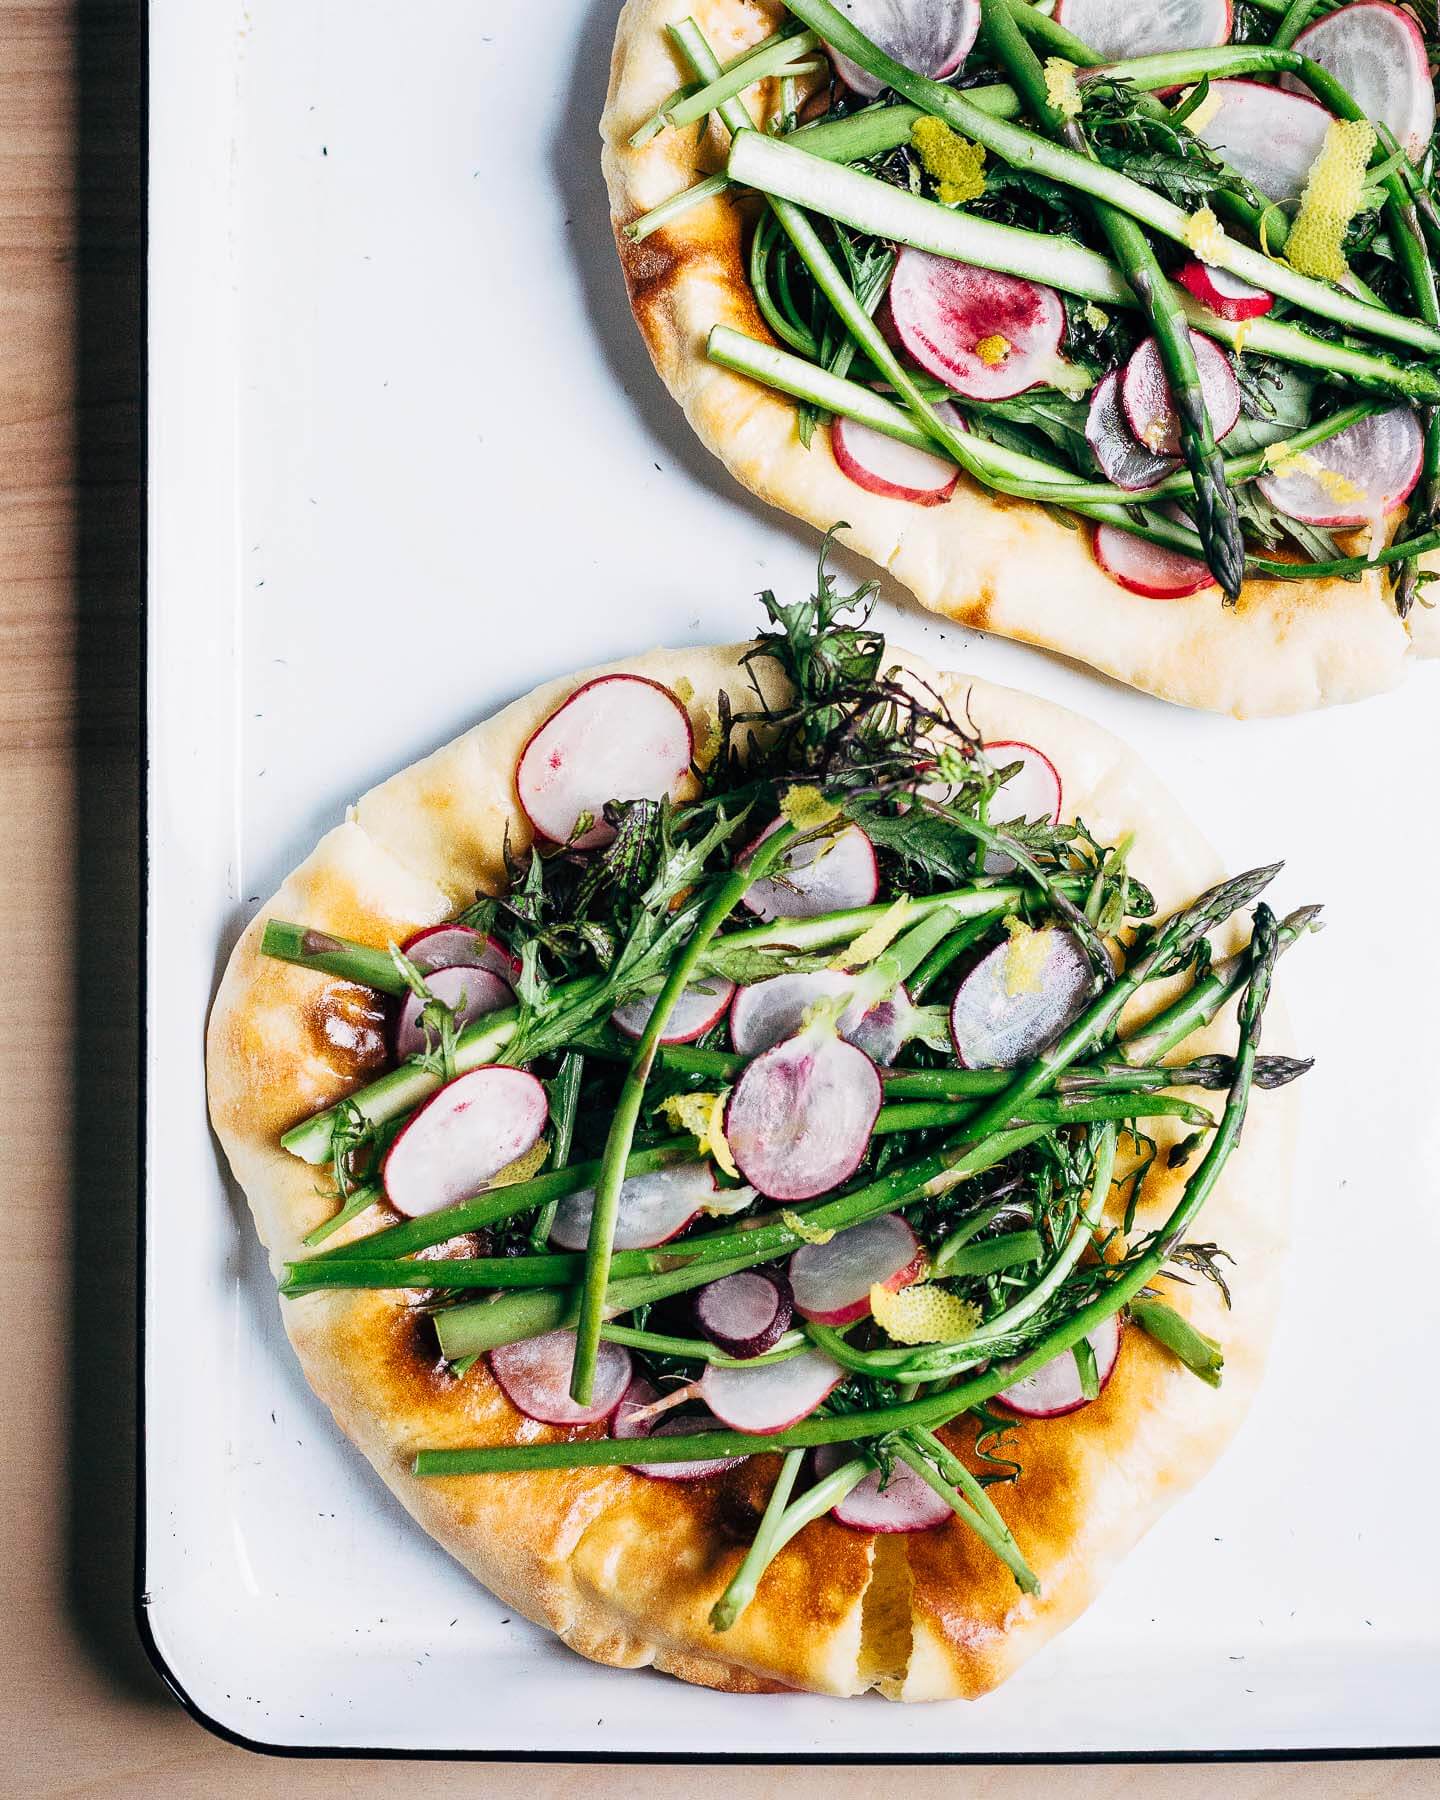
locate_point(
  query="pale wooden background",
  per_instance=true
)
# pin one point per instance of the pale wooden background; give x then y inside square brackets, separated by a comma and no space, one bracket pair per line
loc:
[81,1712]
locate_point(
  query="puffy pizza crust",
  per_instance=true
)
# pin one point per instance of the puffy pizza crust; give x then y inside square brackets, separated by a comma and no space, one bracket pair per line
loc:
[991,563]
[623,1568]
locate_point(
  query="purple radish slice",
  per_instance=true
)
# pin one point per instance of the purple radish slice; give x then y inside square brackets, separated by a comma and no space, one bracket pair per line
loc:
[1149,569]
[932,37]
[1224,294]
[1032,792]
[1054,1389]
[1269,136]
[820,875]
[653,1208]
[882,465]
[473,1128]
[700,1006]
[1125,28]
[987,336]
[1376,53]
[535,1376]
[469,990]
[768,1012]
[625,1425]
[1149,409]
[746,1314]
[832,1282]
[620,737]
[1380,456]
[460,947]
[772,1397]
[905,1503]
[799,1119]
[1123,459]
[993,1028]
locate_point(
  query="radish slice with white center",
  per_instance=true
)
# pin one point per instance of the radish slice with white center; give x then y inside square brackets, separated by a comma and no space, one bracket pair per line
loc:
[905,1503]
[772,1397]
[535,1376]
[799,1119]
[620,737]
[1124,28]
[1123,459]
[1054,1389]
[1224,294]
[1032,792]
[473,1128]
[470,991]
[988,336]
[1377,458]
[1149,569]
[745,1314]
[625,1425]
[1269,136]
[1377,54]
[700,1006]
[768,1012]
[932,37]
[995,1028]
[653,1208]
[460,947]
[820,875]
[1149,408]
[831,1282]
[882,465]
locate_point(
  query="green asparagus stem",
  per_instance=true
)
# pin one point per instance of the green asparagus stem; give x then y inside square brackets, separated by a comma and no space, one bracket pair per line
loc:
[1297,16]
[778,56]
[359,1202]
[332,955]
[955,1471]
[564,1101]
[1199,1353]
[740,1590]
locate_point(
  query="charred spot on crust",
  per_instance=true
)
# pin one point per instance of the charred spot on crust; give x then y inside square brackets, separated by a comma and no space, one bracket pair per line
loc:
[349,1025]
[416,1353]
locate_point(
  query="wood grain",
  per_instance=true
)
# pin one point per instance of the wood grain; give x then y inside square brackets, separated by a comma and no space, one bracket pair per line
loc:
[80,1710]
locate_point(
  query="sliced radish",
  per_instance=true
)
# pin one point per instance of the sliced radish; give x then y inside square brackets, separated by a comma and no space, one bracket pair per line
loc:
[460,947]
[820,875]
[832,1282]
[772,1397]
[745,1314]
[1124,28]
[799,1119]
[946,312]
[1224,294]
[1054,1388]
[700,1006]
[932,37]
[1032,792]
[882,465]
[471,991]
[1377,54]
[535,1375]
[905,1503]
[653,1207]
[626,1425]
[1269,136]
[473,1128]
[620,737]
[770,1011]
[1149,409]
[992,1027]
[1380,455]
[1149,569]
[1123,459]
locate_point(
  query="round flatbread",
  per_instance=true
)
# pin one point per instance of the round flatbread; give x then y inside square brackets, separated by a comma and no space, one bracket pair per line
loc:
[623,1568]
[990,562]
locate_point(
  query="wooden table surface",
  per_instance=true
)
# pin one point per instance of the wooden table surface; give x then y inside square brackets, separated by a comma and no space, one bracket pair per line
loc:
[81,1711]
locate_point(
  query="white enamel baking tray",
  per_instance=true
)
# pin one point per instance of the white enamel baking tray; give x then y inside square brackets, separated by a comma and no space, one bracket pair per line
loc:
[408,458]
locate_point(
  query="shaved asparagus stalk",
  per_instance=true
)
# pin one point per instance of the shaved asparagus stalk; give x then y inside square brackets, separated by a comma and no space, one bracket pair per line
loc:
[655,124]
[991,1530]
[768,1541]
[786,55]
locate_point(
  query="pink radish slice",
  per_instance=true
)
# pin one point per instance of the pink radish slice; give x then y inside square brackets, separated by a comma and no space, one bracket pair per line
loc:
[884,466]
[700,1006]
[535,1375]
[1149,569]
[653,1208]
[624,1426]
[460,947]
[905,1503]
[1123,459]
[771,1011]
[1377,54]
[1149,409]
[1224,294]
[1054,1389]
[995,1029]
[932,37]
[745,1314]
[1033,792]
[943,310]
[469,990]
[820,875]
[799,1119]
[772,1397]
[473,1128]
[1269,136]
[1123,28]
[620,737]
[1380,455]
[832,1282]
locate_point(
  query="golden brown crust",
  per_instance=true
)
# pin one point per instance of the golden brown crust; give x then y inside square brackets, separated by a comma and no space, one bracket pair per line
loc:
[994,564]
